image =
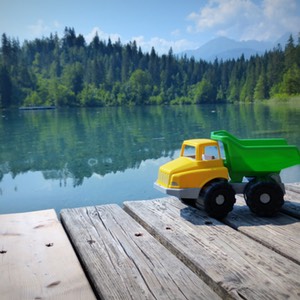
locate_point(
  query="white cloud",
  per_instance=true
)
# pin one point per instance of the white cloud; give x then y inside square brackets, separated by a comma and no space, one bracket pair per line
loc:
[247,19]
[56,24]
[176,33]
[38,29]
[218,13]
[280,16]
[102,35]
[162,46]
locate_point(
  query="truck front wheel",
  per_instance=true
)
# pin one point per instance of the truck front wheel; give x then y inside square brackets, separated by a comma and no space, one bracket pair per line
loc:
[264,198]
[217,199]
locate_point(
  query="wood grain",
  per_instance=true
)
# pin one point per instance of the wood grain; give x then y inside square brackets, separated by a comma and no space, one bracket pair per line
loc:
[292,203]
[37,260]
[123,261]
[295,187]
[279,233]
[231,263]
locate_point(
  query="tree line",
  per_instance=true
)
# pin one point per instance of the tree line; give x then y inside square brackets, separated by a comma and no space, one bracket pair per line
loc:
[69,72]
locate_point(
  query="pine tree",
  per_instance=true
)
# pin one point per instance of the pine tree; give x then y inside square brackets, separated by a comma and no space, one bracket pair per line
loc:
[291,81]
[65,70]
[290,53]
[5,88]
[260,91]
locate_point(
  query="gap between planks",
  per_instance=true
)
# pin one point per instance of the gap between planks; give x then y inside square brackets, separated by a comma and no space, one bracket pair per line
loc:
[279,233]
[123,261]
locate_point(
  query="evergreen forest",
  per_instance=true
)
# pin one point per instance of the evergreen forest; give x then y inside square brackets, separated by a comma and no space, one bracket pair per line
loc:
[68,72]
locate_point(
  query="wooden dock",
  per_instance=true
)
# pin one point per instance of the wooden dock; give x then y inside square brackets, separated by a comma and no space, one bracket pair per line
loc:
[36,107]
[151,249]
[37,260]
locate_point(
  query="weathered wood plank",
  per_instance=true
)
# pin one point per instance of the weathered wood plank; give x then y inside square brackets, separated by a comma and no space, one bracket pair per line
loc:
[37,260]
[123,261]
[294,187]
[292,203]
[233,264]
[280,233]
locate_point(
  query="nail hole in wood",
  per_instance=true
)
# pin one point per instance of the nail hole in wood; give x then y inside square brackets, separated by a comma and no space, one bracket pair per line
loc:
[53,284]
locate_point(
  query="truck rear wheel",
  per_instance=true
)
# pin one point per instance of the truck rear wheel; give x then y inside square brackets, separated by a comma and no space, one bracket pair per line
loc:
[264,198]
[217,199]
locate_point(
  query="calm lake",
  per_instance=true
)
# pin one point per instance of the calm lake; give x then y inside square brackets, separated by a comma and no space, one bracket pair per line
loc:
[81,157]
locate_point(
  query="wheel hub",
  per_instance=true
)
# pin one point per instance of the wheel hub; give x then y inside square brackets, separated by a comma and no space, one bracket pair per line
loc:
[220,199]
[265,198]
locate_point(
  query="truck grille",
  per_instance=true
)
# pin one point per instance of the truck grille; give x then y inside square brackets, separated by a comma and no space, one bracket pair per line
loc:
[163,178]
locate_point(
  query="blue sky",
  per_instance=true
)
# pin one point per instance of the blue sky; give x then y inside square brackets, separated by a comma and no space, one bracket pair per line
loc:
[180,24]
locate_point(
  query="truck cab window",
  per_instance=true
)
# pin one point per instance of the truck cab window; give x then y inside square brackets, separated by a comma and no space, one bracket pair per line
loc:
[210,152]
[189,151]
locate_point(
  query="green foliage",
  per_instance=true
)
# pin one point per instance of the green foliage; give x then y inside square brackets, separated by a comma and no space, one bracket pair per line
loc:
[260,91]
[5,87]
[140,86]
[291,81]
[69,72]
[203,92]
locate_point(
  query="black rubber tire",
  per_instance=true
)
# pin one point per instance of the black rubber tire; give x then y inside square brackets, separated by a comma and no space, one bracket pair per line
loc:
[190,202]
[264,198]
[217,199]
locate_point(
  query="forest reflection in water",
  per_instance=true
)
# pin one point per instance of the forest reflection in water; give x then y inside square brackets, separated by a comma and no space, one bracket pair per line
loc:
[80,157]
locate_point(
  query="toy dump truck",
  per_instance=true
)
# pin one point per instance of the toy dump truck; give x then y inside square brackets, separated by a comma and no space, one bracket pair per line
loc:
[250,167]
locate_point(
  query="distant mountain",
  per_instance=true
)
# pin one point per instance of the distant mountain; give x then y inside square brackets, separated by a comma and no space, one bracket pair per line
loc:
[284,39]
[225,48]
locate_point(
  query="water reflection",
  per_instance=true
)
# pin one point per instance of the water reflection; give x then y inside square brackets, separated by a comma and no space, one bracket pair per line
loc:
[67,158]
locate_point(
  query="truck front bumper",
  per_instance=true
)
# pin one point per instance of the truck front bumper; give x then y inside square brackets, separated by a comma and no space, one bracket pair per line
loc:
[190,193]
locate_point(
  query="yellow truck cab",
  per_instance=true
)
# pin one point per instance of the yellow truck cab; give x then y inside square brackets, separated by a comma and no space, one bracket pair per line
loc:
[199,162]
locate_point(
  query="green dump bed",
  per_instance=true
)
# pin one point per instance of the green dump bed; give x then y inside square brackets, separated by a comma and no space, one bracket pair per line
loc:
[255,157]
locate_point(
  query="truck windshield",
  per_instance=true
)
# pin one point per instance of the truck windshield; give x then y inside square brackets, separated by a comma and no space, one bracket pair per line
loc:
[189,151]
